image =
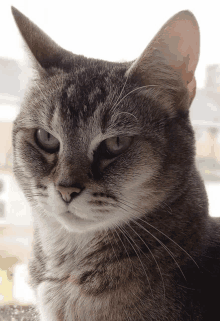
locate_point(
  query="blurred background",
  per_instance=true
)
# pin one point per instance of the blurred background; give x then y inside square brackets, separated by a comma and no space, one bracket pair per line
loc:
[111,30]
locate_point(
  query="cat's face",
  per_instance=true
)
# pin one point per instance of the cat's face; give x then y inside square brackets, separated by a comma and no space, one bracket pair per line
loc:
[81,113]
[95,145]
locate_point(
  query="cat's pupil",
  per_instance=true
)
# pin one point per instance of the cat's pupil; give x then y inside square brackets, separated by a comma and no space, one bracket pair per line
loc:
[117,145]
[46,141]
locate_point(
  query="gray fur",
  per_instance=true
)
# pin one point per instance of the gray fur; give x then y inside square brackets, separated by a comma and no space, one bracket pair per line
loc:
[137,242]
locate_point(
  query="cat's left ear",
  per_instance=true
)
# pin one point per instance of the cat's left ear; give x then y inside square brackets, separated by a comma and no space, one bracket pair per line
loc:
[171,57]
[44,52]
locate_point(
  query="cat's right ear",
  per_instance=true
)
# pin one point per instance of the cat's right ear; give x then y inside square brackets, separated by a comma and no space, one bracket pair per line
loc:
[45,53]
[170,60]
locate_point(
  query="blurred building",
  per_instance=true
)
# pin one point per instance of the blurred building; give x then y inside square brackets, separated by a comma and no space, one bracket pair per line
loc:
[10,95]
[15,214]
[205,116]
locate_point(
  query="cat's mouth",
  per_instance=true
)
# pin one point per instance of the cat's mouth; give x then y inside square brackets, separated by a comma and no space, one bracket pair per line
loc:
[72,216]
[75,222]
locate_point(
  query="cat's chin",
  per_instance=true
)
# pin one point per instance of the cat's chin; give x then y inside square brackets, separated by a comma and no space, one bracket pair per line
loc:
[75,223]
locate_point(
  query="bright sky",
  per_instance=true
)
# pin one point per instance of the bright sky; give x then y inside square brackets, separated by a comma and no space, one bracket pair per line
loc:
[112,30]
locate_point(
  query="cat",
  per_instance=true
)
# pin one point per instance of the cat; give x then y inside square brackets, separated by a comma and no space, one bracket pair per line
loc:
[105,154]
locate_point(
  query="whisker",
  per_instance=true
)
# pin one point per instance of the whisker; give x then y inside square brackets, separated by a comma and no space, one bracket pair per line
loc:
[112,245]
[125,112]
[139,312]
[159,241]
[180,247]
[163,245]
[131,266]
[141,209]
[124,246]
[120,92]
[139,259]
[124,233]
[114,251]
[185,287]
[117,260]
[132,92]
[151,254]
[42,93]
[164,203]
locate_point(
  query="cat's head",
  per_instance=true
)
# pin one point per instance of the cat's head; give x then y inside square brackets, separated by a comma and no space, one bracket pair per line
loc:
[98,143]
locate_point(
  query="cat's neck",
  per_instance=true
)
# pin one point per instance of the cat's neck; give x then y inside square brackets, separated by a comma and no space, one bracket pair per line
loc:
[53,235]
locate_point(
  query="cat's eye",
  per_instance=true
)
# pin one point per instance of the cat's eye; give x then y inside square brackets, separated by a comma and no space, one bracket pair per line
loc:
[46,141]
[117,145]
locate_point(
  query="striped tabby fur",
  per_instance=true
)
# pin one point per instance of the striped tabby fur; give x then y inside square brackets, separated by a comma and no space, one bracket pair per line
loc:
[121,221]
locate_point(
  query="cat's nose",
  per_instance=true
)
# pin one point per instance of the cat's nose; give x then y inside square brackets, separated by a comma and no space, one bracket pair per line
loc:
[68,192]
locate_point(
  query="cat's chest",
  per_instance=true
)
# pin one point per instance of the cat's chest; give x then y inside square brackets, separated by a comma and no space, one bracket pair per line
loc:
[98,293]
[95,302]
[92,278]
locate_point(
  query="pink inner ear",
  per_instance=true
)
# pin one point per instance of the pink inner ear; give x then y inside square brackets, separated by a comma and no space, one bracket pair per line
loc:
[180,46]
[174,48]
[192,88]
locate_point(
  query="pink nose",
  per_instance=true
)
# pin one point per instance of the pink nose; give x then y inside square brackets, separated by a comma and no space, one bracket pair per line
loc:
[68,193]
